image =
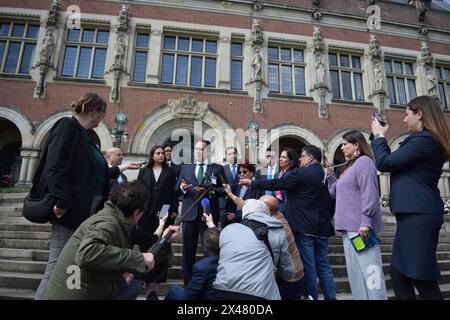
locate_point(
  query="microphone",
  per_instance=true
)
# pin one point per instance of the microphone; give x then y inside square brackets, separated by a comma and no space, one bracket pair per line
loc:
[205,206]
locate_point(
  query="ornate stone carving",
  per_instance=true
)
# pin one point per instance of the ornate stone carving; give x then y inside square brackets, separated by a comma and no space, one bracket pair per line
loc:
[374,49]
[423,31]
[53,14]
[119,56]
[256,37]
[48,47]
[427,57]
[257,5]
[124,20]
[319,65]
[378,75]
[318,44]
[431,81]
[420,8]
[256,63]
[188,106]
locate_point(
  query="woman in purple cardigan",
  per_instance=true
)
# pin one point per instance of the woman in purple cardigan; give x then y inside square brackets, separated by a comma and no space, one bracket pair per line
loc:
[358,211]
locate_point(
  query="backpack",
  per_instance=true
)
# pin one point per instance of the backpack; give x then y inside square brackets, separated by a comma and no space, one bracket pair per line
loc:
[261,232]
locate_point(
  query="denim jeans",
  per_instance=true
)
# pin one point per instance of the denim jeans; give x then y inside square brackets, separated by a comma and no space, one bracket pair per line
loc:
[58,239]
[314,255]
[175,293]
[129,291]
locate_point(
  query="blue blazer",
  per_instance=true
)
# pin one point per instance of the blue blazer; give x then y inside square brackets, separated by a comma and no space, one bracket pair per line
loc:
[203,275]
[308,209]
[415,168]
[188,174]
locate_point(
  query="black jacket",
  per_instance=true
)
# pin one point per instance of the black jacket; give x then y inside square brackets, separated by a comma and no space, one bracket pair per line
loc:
[308,208]
[67,170]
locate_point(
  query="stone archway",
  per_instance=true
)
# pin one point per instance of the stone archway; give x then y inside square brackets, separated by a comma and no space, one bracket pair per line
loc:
[43,129]
[336,139]
[32,155]
[25,128]
[394,143]
[186,114]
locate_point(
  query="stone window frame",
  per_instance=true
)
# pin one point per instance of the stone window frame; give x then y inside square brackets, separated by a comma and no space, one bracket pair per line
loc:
[405,76]
[237,58]
[136,49]
[176,53]
[24,40]
[79,44]
[351,69]
[443,79]
[292,63]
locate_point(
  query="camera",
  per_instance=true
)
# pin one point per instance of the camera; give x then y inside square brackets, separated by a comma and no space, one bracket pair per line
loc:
[380,119]
[378,116]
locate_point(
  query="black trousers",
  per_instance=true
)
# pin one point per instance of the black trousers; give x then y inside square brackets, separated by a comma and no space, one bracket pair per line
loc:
[404,287]
[191,231]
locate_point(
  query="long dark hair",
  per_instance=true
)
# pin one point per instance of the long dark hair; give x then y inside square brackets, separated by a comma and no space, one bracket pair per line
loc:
[433,120]
[355,136]
[151,162]
[292,156]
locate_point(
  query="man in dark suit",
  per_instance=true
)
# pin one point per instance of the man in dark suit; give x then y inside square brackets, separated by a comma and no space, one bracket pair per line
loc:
[189,181]
[270,170]
[114,157]
[308,212]
[168,153]
[231,172]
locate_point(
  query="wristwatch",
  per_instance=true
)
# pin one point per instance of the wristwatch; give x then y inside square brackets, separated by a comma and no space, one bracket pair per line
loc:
[376,136]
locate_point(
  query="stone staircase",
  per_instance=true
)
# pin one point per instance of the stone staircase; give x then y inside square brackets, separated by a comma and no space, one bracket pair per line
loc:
[24,253]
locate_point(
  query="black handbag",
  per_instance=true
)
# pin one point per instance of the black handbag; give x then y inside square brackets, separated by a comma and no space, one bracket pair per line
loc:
[39,210]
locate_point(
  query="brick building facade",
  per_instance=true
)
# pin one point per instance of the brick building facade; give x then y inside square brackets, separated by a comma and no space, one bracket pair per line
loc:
[306,70]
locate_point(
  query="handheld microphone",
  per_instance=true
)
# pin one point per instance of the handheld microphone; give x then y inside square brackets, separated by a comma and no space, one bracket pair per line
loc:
[205,206]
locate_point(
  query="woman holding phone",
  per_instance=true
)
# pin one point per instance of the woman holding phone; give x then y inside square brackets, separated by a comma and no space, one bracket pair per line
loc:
[160,181]
[415,168]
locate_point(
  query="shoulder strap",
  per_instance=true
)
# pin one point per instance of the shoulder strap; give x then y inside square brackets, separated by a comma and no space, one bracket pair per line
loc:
[261,232]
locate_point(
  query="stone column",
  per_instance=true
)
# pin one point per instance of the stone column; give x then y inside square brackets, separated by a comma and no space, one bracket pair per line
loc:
[155,54]
[444,182]
[23,169]
[384,184]
[32,165]
[224,61]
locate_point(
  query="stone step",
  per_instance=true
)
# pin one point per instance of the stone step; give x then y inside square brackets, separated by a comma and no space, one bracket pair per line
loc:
[343,286]
[25,244]
[14,220]
[385,248]
[16,294]
[20,280]
[11,211]
[33,235]
[24,254]
[29,227]
[339,258]
[22,266]
[443,238]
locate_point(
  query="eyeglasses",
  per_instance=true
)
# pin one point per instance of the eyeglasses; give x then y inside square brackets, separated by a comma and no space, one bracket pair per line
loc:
[304,155]
[243,172]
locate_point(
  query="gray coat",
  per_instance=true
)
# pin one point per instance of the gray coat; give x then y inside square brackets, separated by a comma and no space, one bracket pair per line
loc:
[245,264]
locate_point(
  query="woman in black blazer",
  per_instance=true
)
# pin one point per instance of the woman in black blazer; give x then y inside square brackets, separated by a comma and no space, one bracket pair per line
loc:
[74,172]
[415,168]
[160,181]
[288,162]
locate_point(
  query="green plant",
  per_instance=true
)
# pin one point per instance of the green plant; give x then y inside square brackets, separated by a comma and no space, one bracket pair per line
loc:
[14,190]
[385,201]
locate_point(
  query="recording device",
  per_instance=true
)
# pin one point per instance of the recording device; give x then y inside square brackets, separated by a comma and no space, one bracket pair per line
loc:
[143,163]
[207,181]
[164,210]
[205,206]
[360,244]
[380,119]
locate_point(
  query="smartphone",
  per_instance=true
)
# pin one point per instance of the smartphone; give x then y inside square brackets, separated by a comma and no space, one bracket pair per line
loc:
[380,119]
[164,210]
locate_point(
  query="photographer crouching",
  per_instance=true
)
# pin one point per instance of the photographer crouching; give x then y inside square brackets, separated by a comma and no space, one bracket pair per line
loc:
[92,262]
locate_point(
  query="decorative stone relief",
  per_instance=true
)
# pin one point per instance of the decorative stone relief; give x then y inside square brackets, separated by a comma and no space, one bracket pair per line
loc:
[187,106]
[53,14]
